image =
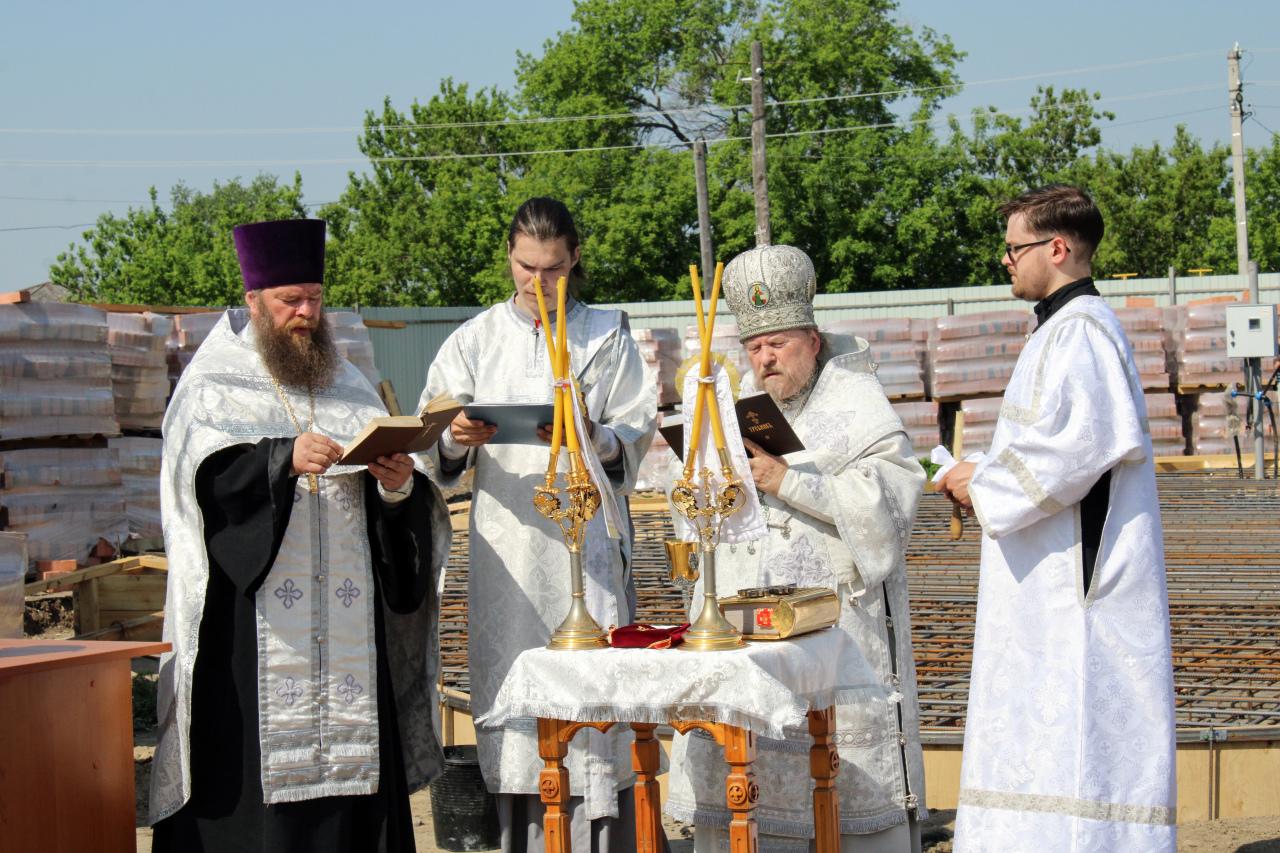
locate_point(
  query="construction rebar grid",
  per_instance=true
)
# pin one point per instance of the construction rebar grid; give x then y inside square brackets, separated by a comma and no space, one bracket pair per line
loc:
[1222,551]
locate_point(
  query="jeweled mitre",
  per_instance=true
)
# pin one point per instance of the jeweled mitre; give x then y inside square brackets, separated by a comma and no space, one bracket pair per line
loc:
[770,289]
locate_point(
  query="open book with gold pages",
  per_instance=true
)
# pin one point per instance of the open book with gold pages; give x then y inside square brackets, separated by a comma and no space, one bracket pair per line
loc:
[403,434]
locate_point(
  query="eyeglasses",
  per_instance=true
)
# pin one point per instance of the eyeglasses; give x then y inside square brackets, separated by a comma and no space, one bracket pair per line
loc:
[1009,250]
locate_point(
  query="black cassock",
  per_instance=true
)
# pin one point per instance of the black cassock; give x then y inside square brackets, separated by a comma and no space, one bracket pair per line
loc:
[245,494]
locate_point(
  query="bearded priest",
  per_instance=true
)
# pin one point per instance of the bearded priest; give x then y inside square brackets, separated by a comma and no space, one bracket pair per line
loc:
[838,515]
[296,709]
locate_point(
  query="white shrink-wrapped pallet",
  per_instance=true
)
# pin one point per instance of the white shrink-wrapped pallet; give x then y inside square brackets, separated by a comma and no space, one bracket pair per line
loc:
[920,420]
[976,353]
[1149,338]
[189,331]
[55,371]
[1208,420]
[64,499]
[980,418]
[139,372]
[1200,340]
[661,351]
[351,337]
[140,476]
[1166,425]
[898,357]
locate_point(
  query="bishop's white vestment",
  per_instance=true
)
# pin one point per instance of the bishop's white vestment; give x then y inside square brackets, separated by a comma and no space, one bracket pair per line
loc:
[842,520]
[518,586]
[1069,739]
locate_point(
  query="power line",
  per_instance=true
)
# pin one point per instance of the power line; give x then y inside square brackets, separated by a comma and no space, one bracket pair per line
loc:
[658,146]
[708,108]
[46,227]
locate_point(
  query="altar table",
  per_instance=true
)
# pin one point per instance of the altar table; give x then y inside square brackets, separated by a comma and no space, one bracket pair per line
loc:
[734,696]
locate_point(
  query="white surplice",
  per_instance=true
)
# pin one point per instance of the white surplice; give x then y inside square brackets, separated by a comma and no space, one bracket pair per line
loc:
[518,576]
[842,520]
[1069,740]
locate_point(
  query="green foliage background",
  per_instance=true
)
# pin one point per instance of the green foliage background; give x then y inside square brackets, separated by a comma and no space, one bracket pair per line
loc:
[878,202]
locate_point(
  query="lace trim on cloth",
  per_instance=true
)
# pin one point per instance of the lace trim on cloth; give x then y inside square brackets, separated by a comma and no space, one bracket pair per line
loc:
[1030,485]
[641,712]
[1070,806]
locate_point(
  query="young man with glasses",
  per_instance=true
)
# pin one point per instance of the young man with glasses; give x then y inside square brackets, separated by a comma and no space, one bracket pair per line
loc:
[1069,739]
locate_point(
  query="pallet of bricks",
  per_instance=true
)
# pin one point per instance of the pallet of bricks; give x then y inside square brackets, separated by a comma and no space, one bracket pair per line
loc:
[189,331]
[1150,332]
[898,346]
[660,349]
[1204,376]
[61,485]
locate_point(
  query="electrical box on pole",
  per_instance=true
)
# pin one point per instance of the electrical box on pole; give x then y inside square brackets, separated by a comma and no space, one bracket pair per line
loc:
[1251,331]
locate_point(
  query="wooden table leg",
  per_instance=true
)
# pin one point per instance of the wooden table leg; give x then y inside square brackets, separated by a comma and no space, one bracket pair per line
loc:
[824,765]
[553,784]
[646,755]
[741,789]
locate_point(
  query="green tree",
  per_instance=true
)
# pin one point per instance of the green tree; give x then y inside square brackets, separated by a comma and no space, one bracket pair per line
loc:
[184,257]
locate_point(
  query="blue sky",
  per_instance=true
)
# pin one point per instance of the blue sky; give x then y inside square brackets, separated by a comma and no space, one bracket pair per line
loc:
[199,66]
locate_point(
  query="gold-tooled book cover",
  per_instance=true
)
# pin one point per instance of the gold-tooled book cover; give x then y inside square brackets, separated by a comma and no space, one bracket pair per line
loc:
[780,612]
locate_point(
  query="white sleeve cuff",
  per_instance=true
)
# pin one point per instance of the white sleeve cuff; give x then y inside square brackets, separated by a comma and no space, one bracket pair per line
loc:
[395,496]
[606,444]
[450,447]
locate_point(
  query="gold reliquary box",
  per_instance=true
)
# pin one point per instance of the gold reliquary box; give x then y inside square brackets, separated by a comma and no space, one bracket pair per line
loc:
[780,612]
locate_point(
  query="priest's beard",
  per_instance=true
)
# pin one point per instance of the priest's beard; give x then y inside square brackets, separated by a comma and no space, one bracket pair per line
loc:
[301,361]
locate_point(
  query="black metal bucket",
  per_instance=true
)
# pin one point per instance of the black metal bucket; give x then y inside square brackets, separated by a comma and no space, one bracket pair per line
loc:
[464,813]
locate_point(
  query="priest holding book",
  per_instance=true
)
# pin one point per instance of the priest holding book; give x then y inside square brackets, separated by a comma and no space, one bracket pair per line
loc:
[518,583]
[838,514]
[297,707]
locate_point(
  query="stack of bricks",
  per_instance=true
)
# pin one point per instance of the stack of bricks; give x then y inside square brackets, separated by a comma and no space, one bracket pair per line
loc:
[980,418]
[351,337]
[974,354]
[894,351]
[65,499]
[140,473]
[921,423]
[189,331]
[661,351]
[1150,335]
[55,371]
[139,374]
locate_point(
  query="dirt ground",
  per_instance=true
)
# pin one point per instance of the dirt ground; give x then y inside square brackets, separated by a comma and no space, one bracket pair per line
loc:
[1237,835]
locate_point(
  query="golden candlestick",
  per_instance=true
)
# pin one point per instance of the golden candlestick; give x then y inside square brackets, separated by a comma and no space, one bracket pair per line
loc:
[578,630]
[710,631]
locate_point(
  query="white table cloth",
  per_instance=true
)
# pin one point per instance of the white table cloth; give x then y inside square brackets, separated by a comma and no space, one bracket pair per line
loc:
[763,688]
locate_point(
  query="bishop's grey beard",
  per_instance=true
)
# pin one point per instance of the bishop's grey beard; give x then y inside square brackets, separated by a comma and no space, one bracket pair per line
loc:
[301,361]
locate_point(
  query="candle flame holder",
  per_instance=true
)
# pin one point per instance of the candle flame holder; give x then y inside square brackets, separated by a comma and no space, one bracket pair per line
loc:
[711,631]
[578,630]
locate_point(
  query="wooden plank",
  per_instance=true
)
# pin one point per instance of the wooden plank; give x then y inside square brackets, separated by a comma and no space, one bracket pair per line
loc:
[128,625]
[37,587]
[1173,464]
[15,297]
[389,397]
[153,309]
[385,324]
[132,592]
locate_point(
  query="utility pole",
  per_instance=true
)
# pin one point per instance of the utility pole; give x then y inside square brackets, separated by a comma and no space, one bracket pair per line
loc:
[704,216]
[759,172]
[1237,157]
[1253,368]
[1173,286]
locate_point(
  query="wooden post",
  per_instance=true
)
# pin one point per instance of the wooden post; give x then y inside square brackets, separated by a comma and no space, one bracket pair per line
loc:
[553,784]
[86,601]
[824,764]
[646,755]
[759,165]
[741,789]
[957,448]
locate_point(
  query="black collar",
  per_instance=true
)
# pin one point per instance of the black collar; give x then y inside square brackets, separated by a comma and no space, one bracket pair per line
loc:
[1056,301]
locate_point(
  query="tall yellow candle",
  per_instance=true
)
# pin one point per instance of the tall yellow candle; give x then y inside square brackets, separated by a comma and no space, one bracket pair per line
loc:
[562,349]
[695,433]
[557,424]
[714,409]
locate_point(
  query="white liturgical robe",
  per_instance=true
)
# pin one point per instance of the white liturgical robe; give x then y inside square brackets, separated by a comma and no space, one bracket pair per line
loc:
[1069,740]
[518,577]
[842,519]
